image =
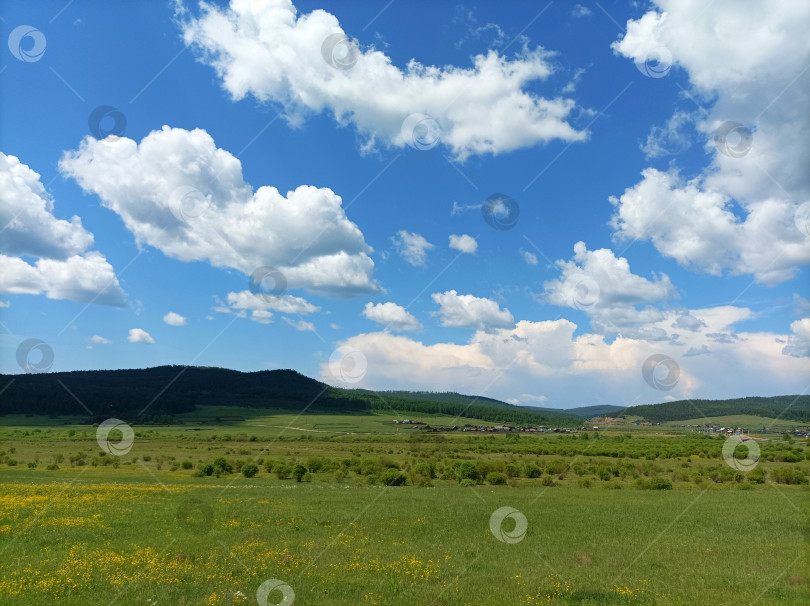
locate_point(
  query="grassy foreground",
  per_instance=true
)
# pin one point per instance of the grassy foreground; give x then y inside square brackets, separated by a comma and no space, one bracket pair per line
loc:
[144,530]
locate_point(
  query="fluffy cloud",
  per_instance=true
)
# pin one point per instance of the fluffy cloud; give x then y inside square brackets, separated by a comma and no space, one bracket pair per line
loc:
[392,316]
[697,227]
[283,303]
[84,278]
[174,319]
[464,243]
[99,340]
[467,311]
[603,286]
[62,269]
[265,49]
[748,67]
[178,192]
[584,369]
[798,345]
[412,246]
[138,335]
[616,283]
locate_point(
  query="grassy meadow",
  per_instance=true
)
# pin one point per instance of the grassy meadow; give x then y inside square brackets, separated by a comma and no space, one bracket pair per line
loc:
[383,514]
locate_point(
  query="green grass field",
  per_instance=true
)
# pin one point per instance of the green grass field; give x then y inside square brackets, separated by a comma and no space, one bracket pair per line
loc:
[144,529]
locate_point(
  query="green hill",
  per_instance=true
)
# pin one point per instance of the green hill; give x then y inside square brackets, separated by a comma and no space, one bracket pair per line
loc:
[787,408]
[159,394]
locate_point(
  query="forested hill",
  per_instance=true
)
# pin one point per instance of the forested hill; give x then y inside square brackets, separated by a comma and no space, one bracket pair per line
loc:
[161,393]
[789,408]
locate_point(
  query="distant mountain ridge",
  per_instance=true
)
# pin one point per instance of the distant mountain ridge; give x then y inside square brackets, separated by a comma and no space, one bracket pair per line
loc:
[163,392]
[158,394]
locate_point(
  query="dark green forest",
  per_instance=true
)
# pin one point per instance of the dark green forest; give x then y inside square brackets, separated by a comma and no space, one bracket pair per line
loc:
[160,394]
[789,408]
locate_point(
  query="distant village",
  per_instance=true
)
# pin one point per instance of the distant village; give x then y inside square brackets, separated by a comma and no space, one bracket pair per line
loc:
[422,426]
[801,432]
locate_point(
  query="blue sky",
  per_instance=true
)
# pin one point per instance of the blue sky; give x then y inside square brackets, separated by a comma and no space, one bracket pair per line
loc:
[701,257]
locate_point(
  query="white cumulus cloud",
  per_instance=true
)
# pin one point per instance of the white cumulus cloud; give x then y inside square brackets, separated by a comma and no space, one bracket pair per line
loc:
[62,269]
[178,192]
[467,311]
[138,335]
[392,316]
[412,247]
[264,48]
[464,243]
[174,319]
[744,66]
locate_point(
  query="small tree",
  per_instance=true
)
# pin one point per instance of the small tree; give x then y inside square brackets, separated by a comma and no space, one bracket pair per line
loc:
[249,470]
[298,472]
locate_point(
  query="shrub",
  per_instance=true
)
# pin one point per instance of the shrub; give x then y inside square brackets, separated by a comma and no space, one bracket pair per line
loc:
[786,475]
[249,470]
[186,465]
[393,477]
[52,467]
[496,478]
[314,464]
[282,470]
[204,469]
[221,466]
[467,482]
[11,462]
[532,471]
[660,484]
[425,469]
[756,476]
[467,471]
[298,472]
[512,470]
[584,483]
[548,481]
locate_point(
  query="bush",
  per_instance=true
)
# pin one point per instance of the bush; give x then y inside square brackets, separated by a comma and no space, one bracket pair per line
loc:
[786,475]
[250,470]
[314,464]
[584,483]
[52,467]
[221,466]
[660,484]
[282,470]
[467,482]
[204,469]
[655,483]
[186,465]
[425,469]
[467,471]
[298,472]
[756,476]
[512,470]
[393,477]
[532,471]
[496,478]
[548,481]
